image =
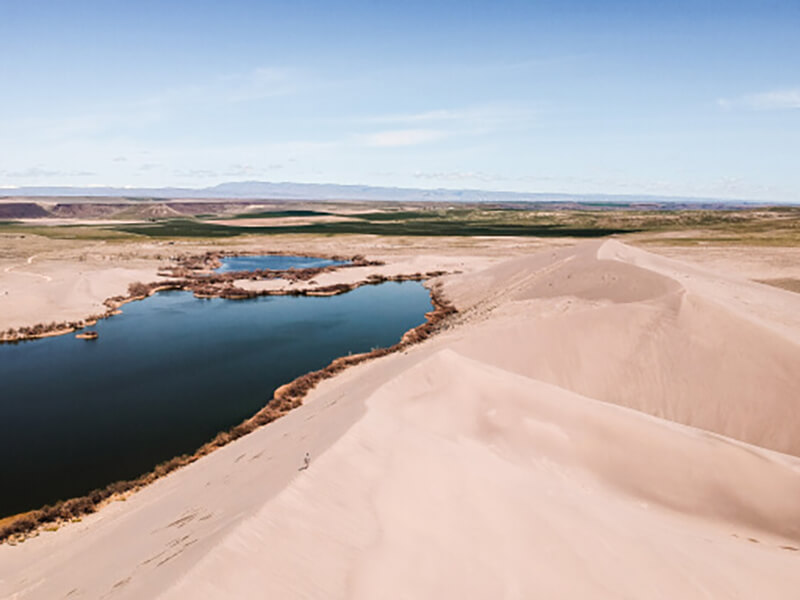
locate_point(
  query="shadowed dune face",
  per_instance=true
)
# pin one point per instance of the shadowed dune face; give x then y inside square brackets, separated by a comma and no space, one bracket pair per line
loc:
[619,332]
[680,468]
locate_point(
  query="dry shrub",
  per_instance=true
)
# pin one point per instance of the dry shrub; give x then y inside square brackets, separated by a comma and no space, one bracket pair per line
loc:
[138,289]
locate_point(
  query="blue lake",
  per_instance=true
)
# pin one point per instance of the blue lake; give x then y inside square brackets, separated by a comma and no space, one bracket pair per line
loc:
[273,262]
[166,376]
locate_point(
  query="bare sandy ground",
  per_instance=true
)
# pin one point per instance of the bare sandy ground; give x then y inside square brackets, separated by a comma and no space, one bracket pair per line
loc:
[751,262]
[44,280]
[56,280]
[600,422]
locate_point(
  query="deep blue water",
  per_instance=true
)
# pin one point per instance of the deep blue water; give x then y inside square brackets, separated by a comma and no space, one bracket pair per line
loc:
[166,376]
[273,262]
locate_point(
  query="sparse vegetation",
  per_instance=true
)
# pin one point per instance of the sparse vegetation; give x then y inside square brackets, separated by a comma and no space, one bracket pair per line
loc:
[412,227]
[284,399]
[66,232]
[662,223]
[763,225]
[138,289]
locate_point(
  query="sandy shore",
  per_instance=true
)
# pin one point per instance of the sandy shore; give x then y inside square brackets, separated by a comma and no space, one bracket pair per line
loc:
[601,422]
[44,280]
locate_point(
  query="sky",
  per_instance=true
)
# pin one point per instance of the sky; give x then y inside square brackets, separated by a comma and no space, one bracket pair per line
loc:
[683,97]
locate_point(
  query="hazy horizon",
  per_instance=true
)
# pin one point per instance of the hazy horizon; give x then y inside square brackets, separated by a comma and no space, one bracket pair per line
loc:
[301,191]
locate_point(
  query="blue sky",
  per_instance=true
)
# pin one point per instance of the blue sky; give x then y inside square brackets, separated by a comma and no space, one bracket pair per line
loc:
[697,98]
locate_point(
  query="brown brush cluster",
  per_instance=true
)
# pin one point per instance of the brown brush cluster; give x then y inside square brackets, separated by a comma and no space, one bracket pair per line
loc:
[285,398]
[41,330]
[138,290]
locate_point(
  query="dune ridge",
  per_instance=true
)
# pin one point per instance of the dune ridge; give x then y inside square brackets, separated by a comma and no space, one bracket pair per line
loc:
[621,325]
[601,423]
[433,468]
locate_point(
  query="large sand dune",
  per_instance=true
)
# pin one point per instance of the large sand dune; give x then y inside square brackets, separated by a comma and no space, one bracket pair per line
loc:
[620,325]
[602,423]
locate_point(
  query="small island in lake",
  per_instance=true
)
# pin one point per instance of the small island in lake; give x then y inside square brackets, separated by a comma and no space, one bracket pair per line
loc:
[87,335]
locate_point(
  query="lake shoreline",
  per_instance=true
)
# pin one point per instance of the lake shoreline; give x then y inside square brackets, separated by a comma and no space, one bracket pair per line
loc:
[285,398]
[195,273]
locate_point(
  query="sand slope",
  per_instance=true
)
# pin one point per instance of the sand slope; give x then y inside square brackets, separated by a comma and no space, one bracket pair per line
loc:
[512,456]
[620,325]
[485,484]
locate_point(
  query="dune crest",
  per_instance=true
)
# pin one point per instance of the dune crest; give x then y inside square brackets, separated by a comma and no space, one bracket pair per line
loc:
[621,325]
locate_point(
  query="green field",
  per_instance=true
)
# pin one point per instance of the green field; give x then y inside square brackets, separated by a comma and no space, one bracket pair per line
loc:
[417,227]
[277,214]
[685,226]
[66,232]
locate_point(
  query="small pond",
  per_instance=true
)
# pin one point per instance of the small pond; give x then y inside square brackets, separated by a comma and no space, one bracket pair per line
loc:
[273,262]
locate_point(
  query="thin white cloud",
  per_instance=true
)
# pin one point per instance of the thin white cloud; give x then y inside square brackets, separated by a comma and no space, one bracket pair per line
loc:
[421,117]
[402,137]
[50,129]
[458,176]
[245,86]
[36,173]
[411,129]
[778,100]
[263,82]
[787,99]
[248,170]
[196,173]
[481,116]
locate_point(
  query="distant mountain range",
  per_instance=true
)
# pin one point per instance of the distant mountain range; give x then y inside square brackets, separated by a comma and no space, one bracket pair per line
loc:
[262,190]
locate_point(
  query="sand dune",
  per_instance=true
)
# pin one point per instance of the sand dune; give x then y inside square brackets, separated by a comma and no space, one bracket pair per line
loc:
[602,423]
[617,324]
